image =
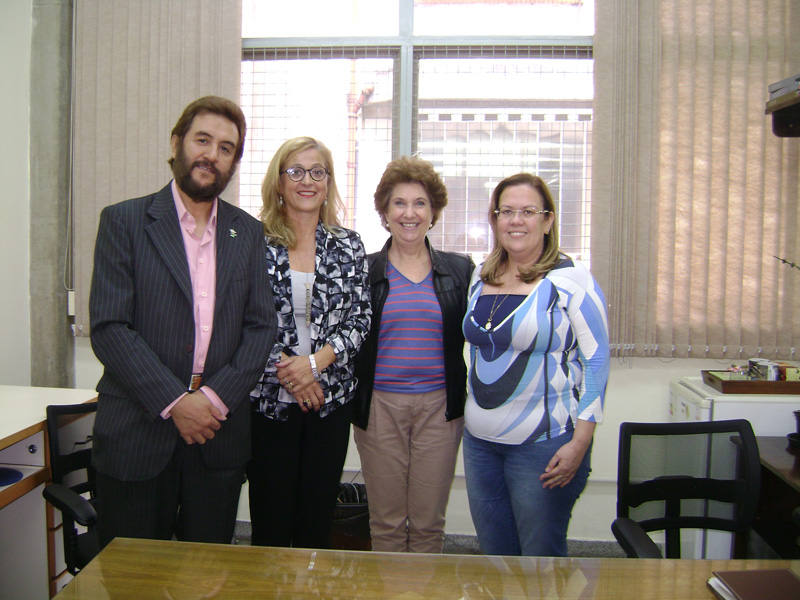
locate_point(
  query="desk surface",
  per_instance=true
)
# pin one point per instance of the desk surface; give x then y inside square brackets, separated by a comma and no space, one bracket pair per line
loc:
[156,569]
[776,457]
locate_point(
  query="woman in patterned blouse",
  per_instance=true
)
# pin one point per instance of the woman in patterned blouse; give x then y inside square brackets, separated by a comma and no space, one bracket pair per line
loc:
[301,424]
[538,332]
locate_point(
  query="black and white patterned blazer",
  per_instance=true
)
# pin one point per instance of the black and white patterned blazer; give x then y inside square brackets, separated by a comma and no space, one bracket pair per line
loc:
[340,316]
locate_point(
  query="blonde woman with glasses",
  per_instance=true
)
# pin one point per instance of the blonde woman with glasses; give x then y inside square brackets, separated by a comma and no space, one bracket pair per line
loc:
[301,421]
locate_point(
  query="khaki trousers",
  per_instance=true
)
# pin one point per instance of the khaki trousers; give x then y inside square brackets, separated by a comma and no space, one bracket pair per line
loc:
[408,458]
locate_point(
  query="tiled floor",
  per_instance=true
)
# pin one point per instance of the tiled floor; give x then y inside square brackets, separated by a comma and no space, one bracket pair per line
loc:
[468,544]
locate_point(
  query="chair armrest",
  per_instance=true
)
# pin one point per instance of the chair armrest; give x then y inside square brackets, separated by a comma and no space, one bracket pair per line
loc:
[70,503]
[634,540]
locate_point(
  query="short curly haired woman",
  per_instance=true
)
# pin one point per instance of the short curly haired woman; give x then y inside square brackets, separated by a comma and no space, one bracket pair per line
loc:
[411,373]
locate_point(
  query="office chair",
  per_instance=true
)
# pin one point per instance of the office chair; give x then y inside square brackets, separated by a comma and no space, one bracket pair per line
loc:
[685,476]
[72,492]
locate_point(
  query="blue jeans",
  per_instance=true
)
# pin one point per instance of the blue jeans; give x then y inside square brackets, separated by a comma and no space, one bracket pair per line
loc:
[513,514]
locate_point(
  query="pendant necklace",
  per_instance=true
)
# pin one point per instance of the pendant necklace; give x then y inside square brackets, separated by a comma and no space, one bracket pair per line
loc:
[494,309]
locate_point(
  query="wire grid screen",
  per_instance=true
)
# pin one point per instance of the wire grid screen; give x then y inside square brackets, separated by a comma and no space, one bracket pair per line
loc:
[479,114]
[322,93]
[484,113]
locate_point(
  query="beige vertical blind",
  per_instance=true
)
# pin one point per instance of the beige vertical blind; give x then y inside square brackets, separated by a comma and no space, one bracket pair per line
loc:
[624,166]
[137,65]
[699,195]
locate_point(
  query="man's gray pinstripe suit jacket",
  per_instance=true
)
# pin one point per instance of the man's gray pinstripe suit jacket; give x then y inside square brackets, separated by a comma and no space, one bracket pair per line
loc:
[142,331]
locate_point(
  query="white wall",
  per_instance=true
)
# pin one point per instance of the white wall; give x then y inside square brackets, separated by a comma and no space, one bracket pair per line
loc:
[15,329]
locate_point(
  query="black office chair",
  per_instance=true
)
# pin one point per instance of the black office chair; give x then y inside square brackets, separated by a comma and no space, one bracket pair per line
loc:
[72,492]
[684,476]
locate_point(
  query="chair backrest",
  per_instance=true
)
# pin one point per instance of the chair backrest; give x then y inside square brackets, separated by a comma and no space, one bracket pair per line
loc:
[698,475]
[69,430]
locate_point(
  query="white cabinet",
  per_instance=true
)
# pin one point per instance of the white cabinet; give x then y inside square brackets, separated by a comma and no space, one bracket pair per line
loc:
[769,415]
[23,550]
[24,541]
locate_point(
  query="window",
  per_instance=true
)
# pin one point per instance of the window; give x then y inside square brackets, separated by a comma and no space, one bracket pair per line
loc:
[322,93]
[319,18]
[694,195]
[506,18]
[482,114]
[479,112]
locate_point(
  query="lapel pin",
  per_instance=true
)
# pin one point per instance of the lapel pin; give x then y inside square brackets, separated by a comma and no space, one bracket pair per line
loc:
[233,233]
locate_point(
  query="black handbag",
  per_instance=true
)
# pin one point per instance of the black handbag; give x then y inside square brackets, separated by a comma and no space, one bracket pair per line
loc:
[350,527]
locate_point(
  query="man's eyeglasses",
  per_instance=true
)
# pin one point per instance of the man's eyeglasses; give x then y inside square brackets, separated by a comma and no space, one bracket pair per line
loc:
[299,173]
[506,214]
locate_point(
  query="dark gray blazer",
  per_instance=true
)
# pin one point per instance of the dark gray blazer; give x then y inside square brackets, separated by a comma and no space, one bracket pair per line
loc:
[142,330]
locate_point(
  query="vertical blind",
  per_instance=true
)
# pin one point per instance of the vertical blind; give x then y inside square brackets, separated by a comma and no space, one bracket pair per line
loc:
[697,194]
[137,65]
[692,194]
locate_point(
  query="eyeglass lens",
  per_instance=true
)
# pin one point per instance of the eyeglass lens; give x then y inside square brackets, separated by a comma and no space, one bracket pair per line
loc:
[525,213]
[299,173]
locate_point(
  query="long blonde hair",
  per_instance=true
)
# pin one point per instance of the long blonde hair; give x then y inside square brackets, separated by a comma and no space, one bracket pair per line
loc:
[277,226]
[495,264]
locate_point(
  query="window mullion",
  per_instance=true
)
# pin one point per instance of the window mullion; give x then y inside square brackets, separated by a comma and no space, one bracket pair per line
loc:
[405,93]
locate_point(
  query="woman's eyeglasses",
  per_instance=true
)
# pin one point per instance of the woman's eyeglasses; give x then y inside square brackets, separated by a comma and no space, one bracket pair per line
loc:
[299,173]
[506,214]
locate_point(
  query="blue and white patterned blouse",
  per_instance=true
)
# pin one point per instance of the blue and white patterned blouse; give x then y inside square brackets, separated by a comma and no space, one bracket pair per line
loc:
[340,316]
[544,365]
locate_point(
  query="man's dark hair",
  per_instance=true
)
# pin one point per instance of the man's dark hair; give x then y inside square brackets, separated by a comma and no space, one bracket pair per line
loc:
[218,106]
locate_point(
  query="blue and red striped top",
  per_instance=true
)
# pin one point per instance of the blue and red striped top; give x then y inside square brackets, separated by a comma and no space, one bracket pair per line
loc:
[410,340]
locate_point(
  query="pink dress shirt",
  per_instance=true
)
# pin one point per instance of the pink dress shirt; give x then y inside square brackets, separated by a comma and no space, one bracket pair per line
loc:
[201,254]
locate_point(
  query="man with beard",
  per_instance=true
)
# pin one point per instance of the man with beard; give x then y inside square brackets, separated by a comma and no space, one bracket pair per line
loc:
[183,320]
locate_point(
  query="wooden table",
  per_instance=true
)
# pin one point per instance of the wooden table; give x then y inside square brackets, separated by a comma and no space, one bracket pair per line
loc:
[780,495]
[144,569]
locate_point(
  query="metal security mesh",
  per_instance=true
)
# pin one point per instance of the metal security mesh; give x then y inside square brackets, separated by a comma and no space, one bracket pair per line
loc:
[478,113]
[485,113]
[319,92]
